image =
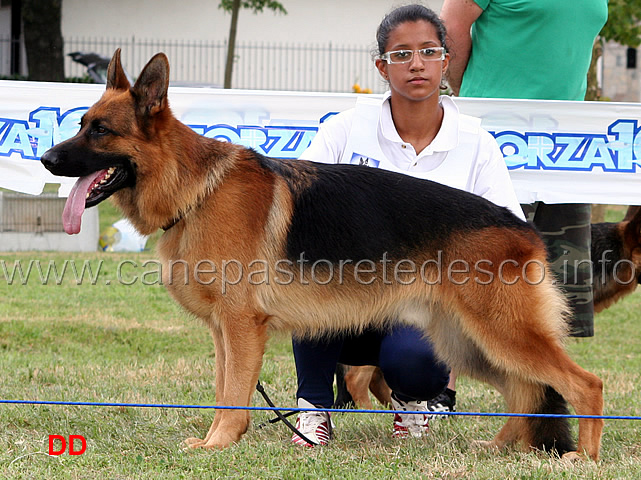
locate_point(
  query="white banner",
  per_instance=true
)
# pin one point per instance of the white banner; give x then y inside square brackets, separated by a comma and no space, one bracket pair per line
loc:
[557,152]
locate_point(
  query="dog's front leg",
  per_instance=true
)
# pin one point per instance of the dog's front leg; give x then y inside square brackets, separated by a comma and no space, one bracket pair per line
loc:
[243,339]
[219,347]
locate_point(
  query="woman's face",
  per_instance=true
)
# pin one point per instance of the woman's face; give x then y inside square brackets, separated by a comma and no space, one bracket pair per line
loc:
[418,79]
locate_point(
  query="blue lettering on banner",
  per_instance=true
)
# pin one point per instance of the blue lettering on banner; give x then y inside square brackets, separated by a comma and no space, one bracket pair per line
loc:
[617,150]
[47,127]
[280,142]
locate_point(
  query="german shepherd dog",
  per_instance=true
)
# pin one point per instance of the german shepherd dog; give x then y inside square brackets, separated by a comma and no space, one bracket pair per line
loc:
[616,273]
[318,249]
[616,258]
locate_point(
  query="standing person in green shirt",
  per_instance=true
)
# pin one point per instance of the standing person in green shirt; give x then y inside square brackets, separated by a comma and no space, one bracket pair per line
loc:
[533,49]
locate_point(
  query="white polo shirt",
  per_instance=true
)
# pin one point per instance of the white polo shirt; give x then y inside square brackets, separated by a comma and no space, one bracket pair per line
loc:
[462,155]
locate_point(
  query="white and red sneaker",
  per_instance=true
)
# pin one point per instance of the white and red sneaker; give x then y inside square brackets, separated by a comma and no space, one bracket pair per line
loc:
[410,424]
[316,426]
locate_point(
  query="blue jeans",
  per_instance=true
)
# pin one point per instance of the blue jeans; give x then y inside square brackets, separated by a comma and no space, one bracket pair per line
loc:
[404,355]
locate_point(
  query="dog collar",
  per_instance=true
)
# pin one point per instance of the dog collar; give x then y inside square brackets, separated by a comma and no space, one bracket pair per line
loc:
[172,223]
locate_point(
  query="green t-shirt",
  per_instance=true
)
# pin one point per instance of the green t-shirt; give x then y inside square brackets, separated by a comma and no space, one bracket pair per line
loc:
[538,49]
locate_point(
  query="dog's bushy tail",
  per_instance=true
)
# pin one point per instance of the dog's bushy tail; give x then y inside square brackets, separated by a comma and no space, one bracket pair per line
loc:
[553,435]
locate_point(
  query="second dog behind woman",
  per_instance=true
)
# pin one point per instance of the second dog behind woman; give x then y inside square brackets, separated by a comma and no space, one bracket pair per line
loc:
[415,131]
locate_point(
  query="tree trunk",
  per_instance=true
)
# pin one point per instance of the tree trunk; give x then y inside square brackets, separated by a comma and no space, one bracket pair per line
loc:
[598,213]
[229,65]
[43,39]
[593,91]
[16,36]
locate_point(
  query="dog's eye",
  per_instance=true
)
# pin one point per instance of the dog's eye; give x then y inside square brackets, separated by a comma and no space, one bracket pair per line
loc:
[99,130]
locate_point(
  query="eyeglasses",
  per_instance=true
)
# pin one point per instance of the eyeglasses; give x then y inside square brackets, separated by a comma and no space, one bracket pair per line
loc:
[429,54]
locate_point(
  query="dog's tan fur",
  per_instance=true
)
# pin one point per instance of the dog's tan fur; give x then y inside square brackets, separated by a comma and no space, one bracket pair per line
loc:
[363,379]
[222,205]
[612,244]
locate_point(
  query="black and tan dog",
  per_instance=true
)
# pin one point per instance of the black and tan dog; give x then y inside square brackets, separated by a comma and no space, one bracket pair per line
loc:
[616,258]
[616,273]
[254,244]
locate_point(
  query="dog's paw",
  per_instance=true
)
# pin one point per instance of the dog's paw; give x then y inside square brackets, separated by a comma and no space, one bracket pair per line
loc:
[573,457]
[215,442]
[193,442]
[484,445]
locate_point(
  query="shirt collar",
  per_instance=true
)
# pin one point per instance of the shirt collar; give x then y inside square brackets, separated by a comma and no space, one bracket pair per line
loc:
[447,137]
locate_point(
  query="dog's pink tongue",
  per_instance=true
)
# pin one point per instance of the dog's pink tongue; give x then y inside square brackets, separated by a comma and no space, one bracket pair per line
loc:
[75,206]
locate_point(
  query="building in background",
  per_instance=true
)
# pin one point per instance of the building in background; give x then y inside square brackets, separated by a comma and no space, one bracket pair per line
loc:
[621,81]
[317,46]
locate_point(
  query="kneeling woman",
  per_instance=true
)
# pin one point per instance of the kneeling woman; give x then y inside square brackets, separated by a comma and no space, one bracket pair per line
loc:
[415,131]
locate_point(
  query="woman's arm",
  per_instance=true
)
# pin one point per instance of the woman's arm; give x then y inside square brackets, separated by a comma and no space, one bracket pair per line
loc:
[458,17]
[492,180]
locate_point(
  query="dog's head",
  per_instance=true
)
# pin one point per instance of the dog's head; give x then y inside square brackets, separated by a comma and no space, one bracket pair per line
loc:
[102,153]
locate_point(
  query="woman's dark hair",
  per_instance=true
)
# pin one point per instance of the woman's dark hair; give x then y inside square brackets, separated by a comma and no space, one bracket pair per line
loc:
[407,13]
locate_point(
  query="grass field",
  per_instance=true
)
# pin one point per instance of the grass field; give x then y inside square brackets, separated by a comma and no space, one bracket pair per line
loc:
[105,341]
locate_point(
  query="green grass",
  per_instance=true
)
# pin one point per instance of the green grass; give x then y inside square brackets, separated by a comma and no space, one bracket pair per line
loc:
[132,344]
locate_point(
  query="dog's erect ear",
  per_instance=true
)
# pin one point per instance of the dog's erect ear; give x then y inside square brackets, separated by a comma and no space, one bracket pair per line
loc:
[116,77]
[150,89]
[635,222]
[633,210]
[632,232]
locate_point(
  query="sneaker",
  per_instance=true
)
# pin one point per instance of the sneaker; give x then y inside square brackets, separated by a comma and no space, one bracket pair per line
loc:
[316,426]
[443,402]
[410,424]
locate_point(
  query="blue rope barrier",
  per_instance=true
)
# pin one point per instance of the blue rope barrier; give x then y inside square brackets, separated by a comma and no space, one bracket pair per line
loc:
[297,409]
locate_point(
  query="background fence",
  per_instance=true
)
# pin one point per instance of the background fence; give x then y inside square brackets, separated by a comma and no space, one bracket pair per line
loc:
[5,55]
[322,67]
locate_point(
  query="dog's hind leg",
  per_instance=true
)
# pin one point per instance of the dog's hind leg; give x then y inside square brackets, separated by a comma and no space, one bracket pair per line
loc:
[461,353]
[542,360]
[533,363]
[555,371]
[468,359]
[532,351]
[550,434]
[242,338]
[518,330]
[520,398]
[584,391]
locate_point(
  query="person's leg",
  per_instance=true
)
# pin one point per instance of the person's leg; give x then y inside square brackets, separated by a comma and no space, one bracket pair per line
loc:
[410,366]
[566,231]
[415,375]
[316,362]
[315,365]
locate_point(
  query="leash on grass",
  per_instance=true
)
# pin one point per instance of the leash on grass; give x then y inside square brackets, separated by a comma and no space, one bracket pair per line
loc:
[283,417]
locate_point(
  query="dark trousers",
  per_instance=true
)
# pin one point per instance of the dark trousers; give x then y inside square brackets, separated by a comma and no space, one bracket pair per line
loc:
[404,355]
[566,231]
